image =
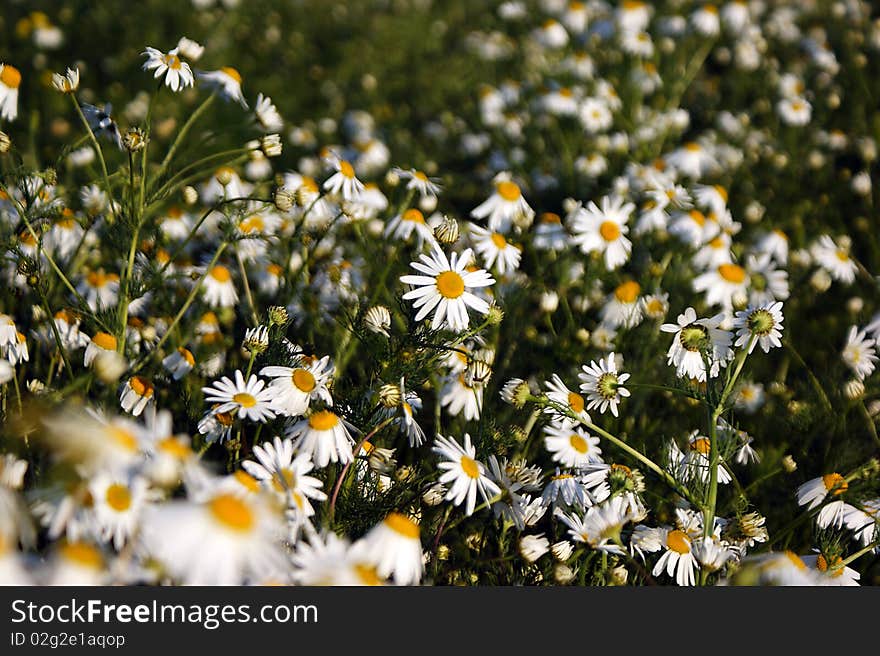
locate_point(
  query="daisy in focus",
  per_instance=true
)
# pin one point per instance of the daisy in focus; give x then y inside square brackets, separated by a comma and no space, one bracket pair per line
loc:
[603,230]
[444,285]
[759,325]
[694,338]
[603,385]
[227,82]
[248,400]
[178,74]
[463,474]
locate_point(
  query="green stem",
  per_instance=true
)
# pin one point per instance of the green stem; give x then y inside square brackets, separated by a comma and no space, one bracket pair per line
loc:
[55,332]
[183,132]
[96,145]
[247,288]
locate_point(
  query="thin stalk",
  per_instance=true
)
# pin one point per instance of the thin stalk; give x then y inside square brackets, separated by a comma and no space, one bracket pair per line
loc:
[247,288]
[97,146]
[55,333]
[183,132]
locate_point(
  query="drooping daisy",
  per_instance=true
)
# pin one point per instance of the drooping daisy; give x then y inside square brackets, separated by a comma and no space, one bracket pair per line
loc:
[460,397]
[623,307]
[179,363]
[775,244]
[560,394]
[695,464]
[814,491]
[603,385]
[218,290]
[444,285]
[565,489]
[571,447]
[226,81]
[296,387]
[859,353]
[100,343]
[550,233]
[678,558]
[136,394]
[267,114]
[10,81]
[100,289]
[343,182]
[495,249]
[247,400]
[603,230]
[759,325]
[394,546]
[325,436]
[419,181]
[410,221]
[463,474]
[178,74]
[505,208]
[694,337]
[600,526]
[286,475]
[693,160]
[726,285]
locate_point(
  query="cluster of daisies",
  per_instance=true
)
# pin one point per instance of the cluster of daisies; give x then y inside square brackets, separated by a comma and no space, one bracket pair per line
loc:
[233,370]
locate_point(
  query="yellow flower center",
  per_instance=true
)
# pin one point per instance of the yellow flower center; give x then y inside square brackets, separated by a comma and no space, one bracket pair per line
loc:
[823,566]
[118,497]
[252,224]
[469,465]
[284,480]
[231,72]
[10,77]
[141,386]
[231,512]
[418,175]
[679,542]
[245,400]
[450,284]
[843,256]
[367,575]
[187,355]
[402,525]
[174,448]
[172,61]
[499,240]
[303,380]
[795,560]
[323,420]
[576,402]
[550,217]
[609,230]
[246,480]
[628,292]
[413,215]
[702,445]
[835,482]
[82,554]
[346,169]
[578,443]
[221,274]
[693,147]
[122,438]
[509,191]
[732,273]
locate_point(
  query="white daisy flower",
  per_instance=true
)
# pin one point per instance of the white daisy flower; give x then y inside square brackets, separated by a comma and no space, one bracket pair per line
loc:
[10,81]
[247,400]
[344,181]
[286,475]
[295,387]
[332,560]
[118,503]
[859,353]
[678,558]
[136,394]
[763,323]
[505,207]
[775,244]
[227,81]
[495,249]
[694,337]
[600,526]
[218,290]
[814,491]
[623,308]
[178,74]
[560,394]
[832,573]
[566,489]
[410,221]
[794,111]
[444,286]
[727,285]
[834,258]
[766,282]
[603,385]
[394,546]
[459,397]
[603,230]
[463,474]
[571,447]
[267,114]
[419,181]
[325,436]
[179,363]
[100,343]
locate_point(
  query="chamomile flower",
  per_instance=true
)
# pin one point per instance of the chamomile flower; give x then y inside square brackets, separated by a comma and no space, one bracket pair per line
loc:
[600,526]
[100,289]
[794,111]
[394,546]
[759,325]
[10,81]
[226,81]
[286,475]
[136,394]
[463,474]
[495,250]
[678,559]
[766,282]
[859,353]
[410,221]
[218,290]
[219,539]
[560,394]
[834,258]
[325,436]
[267,114]
[119,503]
[246,399]
[565,489]
[100,343]
[603,230]
[444,285]
[711,553]
[179,363]
[343,182]
[726,285]
[549,233]
[295,387]
[505,208]
[813,492]
[331,560]
[419,182]
[603,385]
[623,307]
[694,337]
[571,447]
[67,83]
[178,74]
[831,570]
[459,396]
